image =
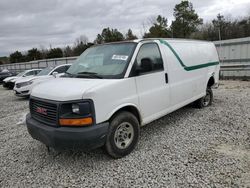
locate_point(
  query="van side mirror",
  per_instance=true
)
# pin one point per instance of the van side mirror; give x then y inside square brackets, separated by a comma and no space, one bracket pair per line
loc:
[55,74]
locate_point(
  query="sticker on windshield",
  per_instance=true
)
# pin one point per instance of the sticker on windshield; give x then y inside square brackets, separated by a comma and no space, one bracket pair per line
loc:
[120,57]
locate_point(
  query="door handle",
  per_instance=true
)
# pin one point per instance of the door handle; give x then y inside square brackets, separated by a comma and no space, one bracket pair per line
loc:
[166,77]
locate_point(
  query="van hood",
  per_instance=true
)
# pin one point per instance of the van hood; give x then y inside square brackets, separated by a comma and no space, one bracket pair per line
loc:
[66,89]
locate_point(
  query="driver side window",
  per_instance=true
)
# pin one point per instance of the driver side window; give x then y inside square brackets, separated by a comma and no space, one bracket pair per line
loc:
[149,59]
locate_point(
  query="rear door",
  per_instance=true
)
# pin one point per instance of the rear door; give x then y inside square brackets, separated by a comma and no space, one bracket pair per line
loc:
[152,84]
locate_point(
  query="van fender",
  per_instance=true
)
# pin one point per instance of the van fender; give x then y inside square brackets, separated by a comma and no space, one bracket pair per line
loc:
[210,80]
[123,106]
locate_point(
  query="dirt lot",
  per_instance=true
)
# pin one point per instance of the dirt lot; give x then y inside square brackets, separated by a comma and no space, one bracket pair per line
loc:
[190,147]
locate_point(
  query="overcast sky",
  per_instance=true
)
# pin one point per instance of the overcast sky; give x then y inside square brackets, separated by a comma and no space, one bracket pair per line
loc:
[40,23]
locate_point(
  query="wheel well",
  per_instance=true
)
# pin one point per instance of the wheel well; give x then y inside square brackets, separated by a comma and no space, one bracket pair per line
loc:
[210,81]
[130,109]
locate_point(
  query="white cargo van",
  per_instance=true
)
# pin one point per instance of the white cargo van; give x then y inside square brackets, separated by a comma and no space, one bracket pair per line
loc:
[114,89]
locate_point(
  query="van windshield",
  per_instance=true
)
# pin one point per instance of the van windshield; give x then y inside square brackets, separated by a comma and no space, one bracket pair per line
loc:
[103,61]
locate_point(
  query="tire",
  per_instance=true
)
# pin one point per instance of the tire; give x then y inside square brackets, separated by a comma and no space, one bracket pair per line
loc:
[206,100]
[124,126]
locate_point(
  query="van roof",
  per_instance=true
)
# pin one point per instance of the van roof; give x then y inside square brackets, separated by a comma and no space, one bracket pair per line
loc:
[151,39]
[171,39]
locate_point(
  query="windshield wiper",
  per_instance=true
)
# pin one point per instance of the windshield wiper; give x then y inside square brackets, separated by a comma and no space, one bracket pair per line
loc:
[85,72]
[69,74]
[88,75]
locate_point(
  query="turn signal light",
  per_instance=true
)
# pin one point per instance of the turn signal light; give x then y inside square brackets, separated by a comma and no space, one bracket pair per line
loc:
[76,122]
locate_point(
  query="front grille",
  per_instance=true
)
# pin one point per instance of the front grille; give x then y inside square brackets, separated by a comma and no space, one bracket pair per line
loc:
[44,111]
[24,92]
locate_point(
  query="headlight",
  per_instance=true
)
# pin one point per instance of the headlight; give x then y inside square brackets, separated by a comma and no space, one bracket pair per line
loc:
[76,114]
[24,84]
[76,108]
[29,82]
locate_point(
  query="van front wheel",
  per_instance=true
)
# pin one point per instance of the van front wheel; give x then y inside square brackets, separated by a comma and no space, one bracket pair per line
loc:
[206,100]
[123,135]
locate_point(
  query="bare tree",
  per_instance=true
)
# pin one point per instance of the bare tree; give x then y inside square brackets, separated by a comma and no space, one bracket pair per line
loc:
[83,39]
[147,24]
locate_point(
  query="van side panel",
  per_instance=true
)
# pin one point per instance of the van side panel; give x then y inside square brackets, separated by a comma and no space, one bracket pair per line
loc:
[189,63]
[183,84]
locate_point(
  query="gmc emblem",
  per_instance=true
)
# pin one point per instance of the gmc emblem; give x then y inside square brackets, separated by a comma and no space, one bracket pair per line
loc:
[41,110]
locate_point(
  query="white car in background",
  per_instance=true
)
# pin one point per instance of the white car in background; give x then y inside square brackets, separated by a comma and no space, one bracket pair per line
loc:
[10,81]
[24,86]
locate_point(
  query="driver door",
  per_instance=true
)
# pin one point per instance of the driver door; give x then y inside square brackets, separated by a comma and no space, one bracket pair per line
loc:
[152,82]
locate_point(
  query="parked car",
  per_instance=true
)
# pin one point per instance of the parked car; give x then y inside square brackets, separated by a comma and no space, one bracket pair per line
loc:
[4,70]
[114,89]
[24,86]
[9,82]
[5,74]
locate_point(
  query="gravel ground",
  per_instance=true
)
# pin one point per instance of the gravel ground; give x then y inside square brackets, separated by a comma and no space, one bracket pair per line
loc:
[187,148]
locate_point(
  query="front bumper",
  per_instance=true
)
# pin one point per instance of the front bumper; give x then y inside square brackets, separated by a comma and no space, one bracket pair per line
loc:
[22,91]
[5,84]
[62,138]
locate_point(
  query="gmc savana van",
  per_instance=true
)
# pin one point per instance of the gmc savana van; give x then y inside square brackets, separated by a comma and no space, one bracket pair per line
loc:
[114,89]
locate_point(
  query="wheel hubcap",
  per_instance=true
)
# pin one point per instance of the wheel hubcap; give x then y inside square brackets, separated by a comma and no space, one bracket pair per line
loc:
[206,99]
[124,135]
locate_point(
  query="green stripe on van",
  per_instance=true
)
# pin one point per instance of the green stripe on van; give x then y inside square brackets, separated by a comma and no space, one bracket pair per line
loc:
[190,68]
[201,66]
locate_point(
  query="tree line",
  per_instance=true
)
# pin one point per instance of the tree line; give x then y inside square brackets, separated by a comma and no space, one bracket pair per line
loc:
[186,24]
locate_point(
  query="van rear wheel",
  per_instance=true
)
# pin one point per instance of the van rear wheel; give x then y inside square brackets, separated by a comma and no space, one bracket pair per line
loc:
[123,135]
[206,100]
